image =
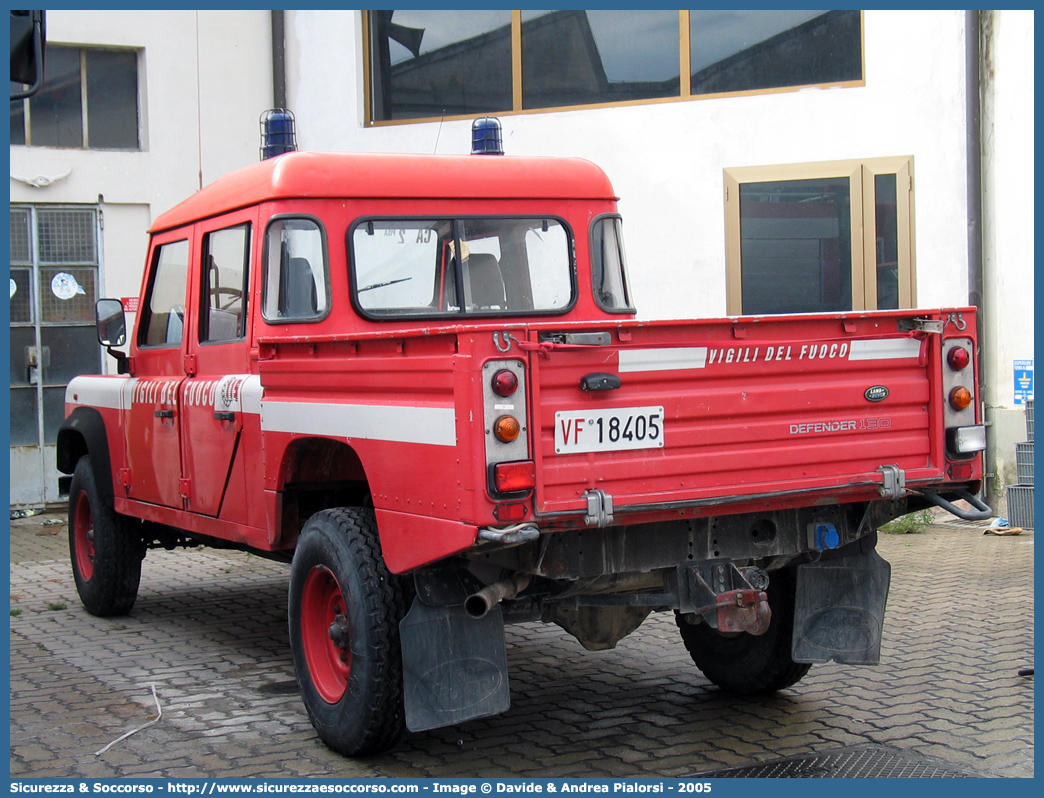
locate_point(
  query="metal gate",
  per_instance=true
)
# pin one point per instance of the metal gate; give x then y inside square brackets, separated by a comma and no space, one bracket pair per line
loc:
[54,278]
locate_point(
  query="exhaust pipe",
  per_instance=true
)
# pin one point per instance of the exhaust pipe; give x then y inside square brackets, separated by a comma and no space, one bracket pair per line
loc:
[478,604]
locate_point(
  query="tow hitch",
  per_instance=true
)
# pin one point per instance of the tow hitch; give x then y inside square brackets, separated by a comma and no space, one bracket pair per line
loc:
[741,611]
[721,595]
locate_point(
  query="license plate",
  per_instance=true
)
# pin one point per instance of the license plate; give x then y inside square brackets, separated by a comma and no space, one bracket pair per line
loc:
[608,430]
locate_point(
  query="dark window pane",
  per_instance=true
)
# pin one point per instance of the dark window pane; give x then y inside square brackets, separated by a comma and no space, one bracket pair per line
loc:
[54,413]
[21,251]
[225,284]
[887,243]
[69,351]
[112,99]
[748,50]
[23,417]
[163,316]
[67,294]
[585,57]
[17,119]
[23,340]
[440,63]
[55,113]
[66,236]
[21,296]
[796,246]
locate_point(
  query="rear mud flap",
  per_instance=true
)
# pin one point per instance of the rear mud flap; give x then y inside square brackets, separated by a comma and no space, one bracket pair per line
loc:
[454,666]
[839,611]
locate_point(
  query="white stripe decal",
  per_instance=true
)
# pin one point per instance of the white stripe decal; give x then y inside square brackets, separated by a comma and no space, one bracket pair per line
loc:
[885,349]
[252,392]
[431,425]
[97,391]
[672,359]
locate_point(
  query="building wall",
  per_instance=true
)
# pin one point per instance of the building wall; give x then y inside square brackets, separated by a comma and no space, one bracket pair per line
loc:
[666,160]
[204,79]
[1007,224]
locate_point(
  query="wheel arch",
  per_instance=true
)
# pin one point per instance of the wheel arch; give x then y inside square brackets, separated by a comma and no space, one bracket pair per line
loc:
[317,473]
[83,433]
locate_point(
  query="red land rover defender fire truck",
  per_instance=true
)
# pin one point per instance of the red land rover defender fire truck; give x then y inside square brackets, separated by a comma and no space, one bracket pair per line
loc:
[420,380]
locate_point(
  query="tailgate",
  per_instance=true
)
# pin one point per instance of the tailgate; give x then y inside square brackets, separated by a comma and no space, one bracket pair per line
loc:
[727,409]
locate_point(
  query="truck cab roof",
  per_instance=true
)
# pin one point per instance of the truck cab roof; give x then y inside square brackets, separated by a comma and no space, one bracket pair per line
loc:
[318,175]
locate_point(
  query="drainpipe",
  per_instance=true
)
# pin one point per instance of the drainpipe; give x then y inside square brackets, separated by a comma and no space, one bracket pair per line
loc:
[278,59]
[973,20]
[974,158]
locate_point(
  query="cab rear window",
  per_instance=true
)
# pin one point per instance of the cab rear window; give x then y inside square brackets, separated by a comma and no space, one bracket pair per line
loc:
[464,266]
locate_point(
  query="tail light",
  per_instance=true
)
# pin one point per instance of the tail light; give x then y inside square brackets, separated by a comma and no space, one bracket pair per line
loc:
[505,420]
[514,477]
[504,382]
[963,436]
[959,358]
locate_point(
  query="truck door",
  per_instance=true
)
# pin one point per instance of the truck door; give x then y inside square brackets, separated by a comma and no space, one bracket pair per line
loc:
[217,364]
[153,423]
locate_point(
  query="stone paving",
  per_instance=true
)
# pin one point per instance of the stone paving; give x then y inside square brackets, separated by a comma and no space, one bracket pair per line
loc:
[209,631]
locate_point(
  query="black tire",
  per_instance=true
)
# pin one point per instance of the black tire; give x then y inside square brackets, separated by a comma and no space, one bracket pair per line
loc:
[350,676]
[747,664]
[105,549]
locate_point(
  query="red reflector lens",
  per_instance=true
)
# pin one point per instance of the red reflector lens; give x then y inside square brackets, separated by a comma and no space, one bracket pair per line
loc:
[516,476]
[958,358]
[960,398]
[506,428]
[509,512]
[504,383]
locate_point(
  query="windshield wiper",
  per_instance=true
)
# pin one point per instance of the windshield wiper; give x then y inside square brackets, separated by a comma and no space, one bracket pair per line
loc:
[381,285]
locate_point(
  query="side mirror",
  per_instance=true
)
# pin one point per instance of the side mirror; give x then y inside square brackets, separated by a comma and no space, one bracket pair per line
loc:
[28,34]
[112,324]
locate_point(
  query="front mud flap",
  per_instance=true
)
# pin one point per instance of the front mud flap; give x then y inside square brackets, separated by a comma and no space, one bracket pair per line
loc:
[839,610]
[454,666]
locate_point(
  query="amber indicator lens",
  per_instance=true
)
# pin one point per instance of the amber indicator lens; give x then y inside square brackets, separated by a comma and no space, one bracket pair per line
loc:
[960,398]
[506,428]
[958,358]
[504,383]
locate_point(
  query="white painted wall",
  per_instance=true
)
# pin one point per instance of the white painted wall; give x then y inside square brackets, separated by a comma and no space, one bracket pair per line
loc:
[666,160]
[1008,222]
[205,77]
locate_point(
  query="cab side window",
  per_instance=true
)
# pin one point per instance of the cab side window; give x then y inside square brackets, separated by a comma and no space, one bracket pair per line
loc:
[295,282]
[226,258]
[163,316]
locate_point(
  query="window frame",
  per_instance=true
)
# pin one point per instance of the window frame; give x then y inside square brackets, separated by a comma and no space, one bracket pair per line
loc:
[860,174]
[204,288]
[463,315]
[282,217]
[629,309]
[85,138]
[145,312]
[685,78]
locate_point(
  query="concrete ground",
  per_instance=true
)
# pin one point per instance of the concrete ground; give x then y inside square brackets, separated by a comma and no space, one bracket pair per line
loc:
[209,631]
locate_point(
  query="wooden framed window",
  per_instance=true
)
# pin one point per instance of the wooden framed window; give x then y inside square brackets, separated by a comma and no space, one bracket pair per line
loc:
[422,64]
[813,237]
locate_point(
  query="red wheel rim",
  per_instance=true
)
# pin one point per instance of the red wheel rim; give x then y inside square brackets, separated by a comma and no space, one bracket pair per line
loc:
[83,534]
[323,616]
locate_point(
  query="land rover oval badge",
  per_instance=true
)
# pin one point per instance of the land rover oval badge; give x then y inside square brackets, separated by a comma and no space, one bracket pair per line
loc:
[876,393]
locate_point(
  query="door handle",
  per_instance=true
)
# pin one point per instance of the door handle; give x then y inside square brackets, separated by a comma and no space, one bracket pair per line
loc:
[225,415]
[599,381]
[164,414]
